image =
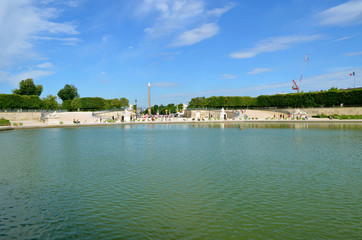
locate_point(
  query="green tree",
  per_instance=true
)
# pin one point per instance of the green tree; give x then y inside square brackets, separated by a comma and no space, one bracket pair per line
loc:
[154,109]
[180,107]
[69,92]
[50,102]
[124,102]
[27,87]
[116,103]
[198,102]
[333,89]
[67,105]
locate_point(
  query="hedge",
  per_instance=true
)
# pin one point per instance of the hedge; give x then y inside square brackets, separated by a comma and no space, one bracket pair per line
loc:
[4,122]
[14,101]
[312,99]
[89,103]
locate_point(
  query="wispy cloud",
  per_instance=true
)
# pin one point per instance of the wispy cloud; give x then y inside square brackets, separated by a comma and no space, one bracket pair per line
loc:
[196,35]
[186,21]
[339,79]
[353,53]
[45,65]
[259,70]
[165,84]
[65,41]
[103,77]
[106,38]
[343,38]
[227,76]
[349,13]
[245,91]
[325,81]
[275,44]
[14,79]
[22,22]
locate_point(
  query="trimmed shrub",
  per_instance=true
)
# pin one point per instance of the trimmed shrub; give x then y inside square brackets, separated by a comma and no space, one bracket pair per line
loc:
[14,101]
[88,103]
[4,122]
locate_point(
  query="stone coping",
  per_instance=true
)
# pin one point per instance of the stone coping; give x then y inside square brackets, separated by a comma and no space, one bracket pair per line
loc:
[6,128]
[41,126]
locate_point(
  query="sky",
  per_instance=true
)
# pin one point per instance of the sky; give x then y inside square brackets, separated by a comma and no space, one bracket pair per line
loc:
[184,48]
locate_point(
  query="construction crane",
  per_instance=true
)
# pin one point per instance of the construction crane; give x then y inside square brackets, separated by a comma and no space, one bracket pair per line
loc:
[295,86]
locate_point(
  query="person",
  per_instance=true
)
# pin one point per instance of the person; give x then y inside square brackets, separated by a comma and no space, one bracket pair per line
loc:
[74,121]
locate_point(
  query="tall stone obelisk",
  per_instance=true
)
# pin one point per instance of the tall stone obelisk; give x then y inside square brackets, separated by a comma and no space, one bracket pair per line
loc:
[149,99]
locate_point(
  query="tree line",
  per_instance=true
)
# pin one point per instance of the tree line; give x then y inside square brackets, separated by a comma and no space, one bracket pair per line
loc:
[332,97]
[163,110]
[27,97]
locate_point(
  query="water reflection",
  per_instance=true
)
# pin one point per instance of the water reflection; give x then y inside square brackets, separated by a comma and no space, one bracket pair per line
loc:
[302,125]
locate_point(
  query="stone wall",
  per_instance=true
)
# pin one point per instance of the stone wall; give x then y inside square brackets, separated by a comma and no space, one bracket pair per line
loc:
[206,113]
[326,111]
[310,111]
[21,116]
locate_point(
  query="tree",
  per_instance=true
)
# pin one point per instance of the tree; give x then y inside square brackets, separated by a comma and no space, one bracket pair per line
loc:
[27,87]
[69,92]
[198,102]
[115,103]
[50,102]
[124,102]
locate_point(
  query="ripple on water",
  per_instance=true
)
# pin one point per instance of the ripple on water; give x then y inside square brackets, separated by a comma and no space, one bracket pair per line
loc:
[170,182]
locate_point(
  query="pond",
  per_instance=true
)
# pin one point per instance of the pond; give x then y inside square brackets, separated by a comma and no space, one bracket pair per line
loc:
[182,181]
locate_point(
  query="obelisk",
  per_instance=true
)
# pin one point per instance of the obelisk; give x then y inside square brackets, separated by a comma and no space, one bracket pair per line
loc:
[149,99]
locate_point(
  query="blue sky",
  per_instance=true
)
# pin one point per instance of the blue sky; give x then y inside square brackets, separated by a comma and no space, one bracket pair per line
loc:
[185,48]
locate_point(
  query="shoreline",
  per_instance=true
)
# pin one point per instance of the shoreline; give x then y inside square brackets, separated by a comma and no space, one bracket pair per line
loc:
[45,126]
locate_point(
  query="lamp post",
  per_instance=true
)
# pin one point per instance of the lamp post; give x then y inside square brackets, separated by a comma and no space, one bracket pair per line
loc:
[136,107]
[209,107]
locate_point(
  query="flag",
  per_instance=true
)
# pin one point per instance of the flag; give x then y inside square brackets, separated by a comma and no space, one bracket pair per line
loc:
[352,74]
[306,58]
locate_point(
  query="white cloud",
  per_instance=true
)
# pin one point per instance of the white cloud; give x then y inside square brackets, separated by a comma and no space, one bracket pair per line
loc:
[106,38]
[344,14]
[22,22]
[339,79]
[353,53]
[275,44]
[165,84]
[343,38]
[217,12]
[65,41]
[45,65]
[227,76]
[259,70]
[196,35]
[103,78]
[187,19]
[14,79]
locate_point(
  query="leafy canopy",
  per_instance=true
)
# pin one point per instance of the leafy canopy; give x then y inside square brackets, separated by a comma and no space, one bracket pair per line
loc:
[69,92]
[27,87]
[50,102]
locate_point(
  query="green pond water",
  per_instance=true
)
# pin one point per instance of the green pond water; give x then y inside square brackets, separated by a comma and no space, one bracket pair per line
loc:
[206,181]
